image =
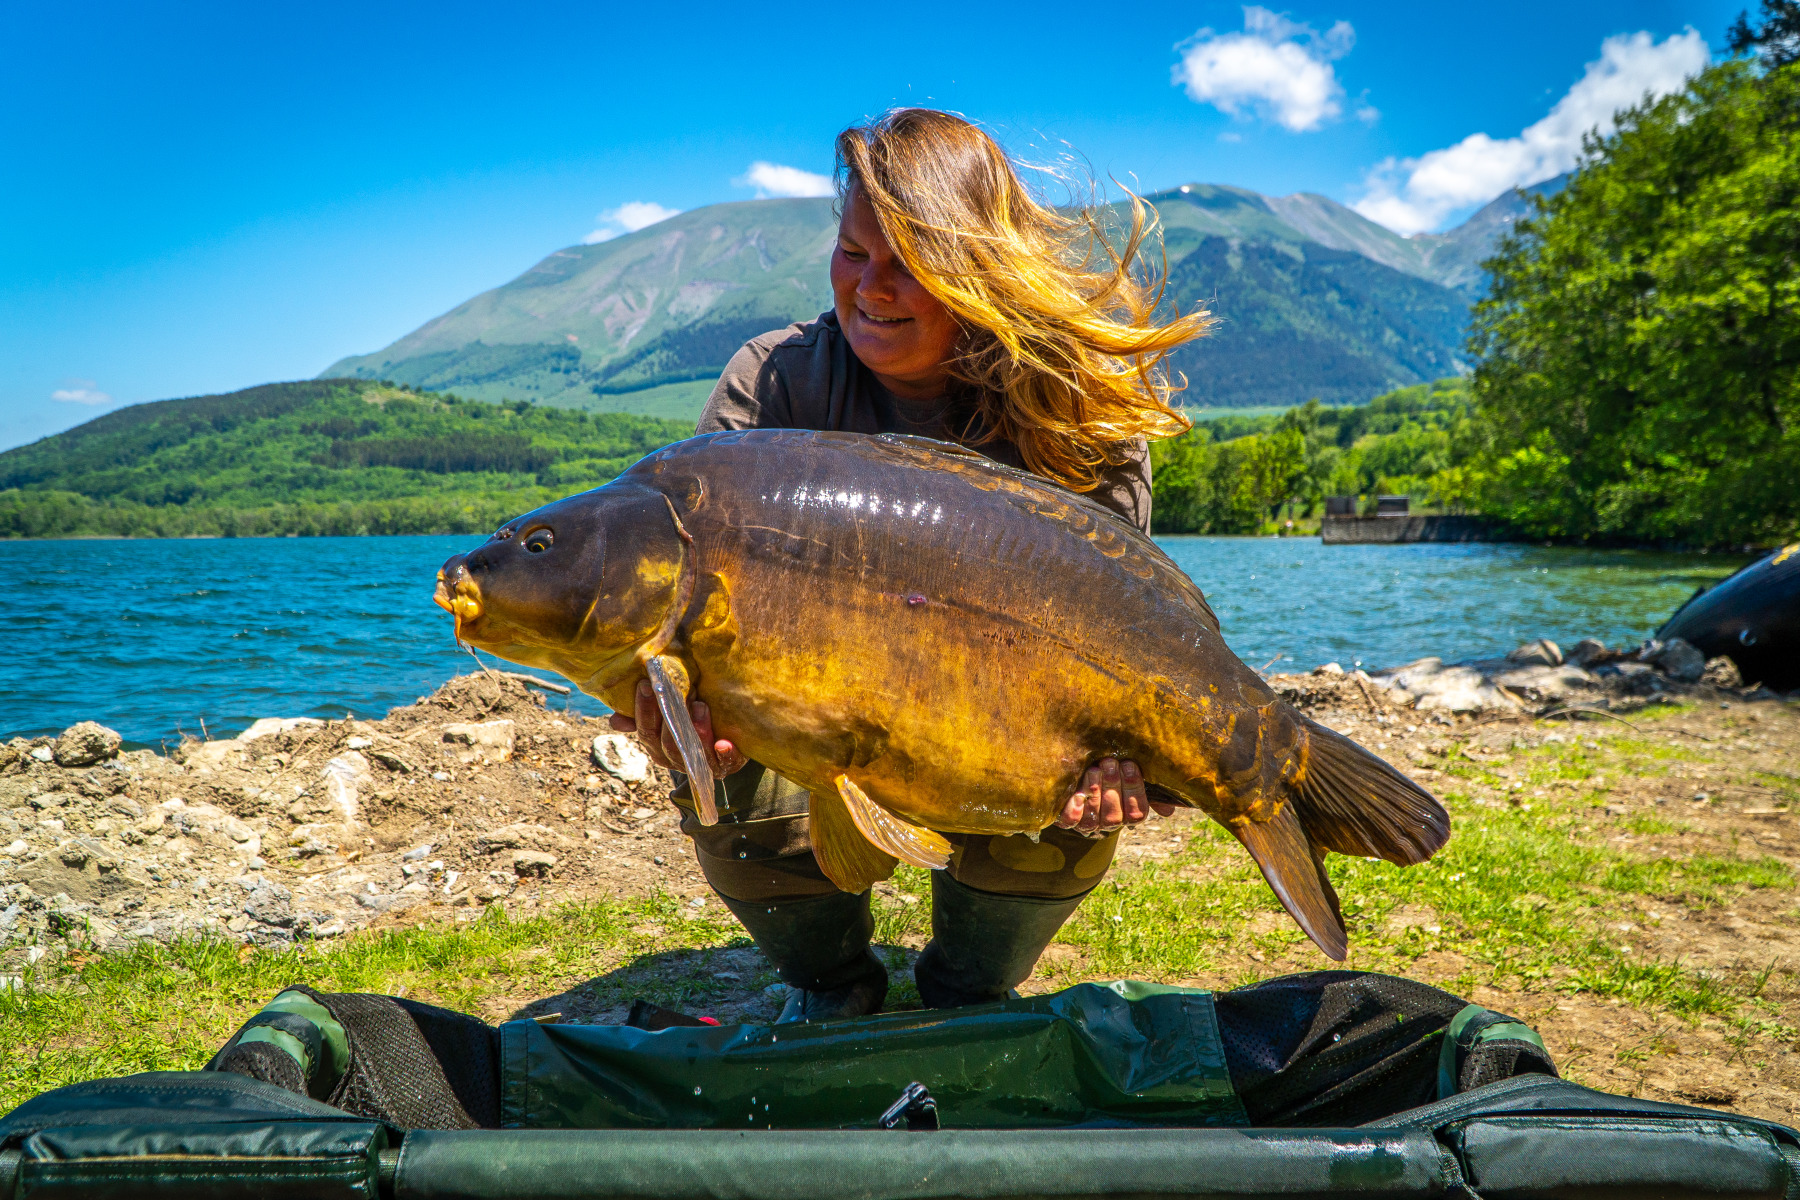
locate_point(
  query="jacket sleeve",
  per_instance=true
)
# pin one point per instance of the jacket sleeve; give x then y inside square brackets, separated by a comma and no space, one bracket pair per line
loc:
[751,394]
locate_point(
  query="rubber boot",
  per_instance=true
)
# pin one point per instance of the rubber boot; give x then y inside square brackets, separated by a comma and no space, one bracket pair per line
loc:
[983,944]
[820,948]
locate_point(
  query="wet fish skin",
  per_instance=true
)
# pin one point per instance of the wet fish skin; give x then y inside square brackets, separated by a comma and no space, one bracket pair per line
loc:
[957,639]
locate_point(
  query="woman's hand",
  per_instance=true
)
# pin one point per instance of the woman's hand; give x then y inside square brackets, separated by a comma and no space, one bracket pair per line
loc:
[659,743]
[1111,794]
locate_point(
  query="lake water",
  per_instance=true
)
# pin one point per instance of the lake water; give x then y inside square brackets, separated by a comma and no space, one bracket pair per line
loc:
[155,637]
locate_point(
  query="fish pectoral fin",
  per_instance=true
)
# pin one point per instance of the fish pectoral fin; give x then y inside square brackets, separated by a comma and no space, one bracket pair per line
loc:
[849,860]
[912,844]
[1295,871]
[669,680]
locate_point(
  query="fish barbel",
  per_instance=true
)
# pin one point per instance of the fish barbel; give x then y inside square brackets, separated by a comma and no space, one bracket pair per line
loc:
[930,643]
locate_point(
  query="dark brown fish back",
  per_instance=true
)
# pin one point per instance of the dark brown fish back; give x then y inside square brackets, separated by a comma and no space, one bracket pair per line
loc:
[1062,524]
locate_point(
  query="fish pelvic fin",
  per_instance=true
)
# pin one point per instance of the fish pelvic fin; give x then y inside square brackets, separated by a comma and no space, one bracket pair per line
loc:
[852,862]
[912,844]
[669,680]
[1353,802]
[1295,870]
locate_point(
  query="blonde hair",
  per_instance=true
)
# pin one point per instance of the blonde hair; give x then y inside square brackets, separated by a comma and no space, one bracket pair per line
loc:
[1061,341]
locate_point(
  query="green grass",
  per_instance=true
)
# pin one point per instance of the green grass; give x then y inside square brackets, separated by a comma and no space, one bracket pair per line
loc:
[670,401]
[168,1008]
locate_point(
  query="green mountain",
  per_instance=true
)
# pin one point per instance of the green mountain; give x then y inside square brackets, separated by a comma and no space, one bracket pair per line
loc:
[333,456]
[1314,300]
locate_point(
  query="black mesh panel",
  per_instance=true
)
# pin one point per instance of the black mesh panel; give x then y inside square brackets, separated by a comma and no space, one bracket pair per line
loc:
[415,1066]
[1343,1047]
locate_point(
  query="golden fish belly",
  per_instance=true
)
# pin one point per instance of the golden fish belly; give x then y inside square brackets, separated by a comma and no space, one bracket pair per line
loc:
[947,713]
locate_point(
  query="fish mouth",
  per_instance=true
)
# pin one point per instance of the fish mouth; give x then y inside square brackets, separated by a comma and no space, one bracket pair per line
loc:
[459,596]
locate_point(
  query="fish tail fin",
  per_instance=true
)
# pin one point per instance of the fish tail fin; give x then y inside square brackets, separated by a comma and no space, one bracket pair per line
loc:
[1295,869]
[1352,802]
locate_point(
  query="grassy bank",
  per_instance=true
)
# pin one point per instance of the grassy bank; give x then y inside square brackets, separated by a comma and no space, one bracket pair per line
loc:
[1580,872]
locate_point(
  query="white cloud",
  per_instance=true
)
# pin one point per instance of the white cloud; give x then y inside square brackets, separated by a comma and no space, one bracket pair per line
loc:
[629,217]
[1278,68]
[80,391]
[1416,194]
[773,179]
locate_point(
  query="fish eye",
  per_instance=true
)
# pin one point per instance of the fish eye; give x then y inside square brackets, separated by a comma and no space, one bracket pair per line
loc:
[539,540]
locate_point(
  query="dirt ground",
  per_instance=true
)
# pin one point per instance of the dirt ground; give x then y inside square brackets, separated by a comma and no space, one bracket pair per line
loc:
[484,792]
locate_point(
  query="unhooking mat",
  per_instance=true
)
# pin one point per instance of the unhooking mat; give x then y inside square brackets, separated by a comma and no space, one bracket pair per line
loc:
[1325,1084]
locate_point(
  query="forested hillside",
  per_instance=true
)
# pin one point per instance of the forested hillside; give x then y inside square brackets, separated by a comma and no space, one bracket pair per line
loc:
[319,457]
[1231,474]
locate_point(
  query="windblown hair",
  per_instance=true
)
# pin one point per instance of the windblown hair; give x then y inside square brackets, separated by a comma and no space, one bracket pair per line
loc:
[1062,347]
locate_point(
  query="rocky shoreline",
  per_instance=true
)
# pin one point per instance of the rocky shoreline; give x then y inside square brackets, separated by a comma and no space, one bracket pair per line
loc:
[484,792]
[300,828]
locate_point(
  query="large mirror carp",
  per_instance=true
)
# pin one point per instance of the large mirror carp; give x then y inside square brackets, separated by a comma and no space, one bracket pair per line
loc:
[930,643]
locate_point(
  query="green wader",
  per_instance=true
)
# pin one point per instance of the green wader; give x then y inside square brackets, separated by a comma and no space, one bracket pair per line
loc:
[993,910]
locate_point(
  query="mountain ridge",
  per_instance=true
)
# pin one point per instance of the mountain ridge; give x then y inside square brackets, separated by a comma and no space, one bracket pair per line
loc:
[1315,300]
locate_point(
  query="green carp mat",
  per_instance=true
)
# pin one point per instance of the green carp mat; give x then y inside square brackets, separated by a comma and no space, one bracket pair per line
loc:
[1335,1083]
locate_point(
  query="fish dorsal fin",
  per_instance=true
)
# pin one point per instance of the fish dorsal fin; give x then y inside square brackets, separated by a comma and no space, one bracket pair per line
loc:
[1297,877]
[912,844]
[849,860]
[669,680]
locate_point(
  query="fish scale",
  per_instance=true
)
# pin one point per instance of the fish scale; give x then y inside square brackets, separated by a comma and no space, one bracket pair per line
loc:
[930,643]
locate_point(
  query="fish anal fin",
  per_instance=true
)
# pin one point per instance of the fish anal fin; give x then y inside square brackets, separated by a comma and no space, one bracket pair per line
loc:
[912,844]
[669,680]
[849,860]
[1295,872]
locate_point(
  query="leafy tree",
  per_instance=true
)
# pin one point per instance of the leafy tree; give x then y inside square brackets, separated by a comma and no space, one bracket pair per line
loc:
[1639,354]
[1777,38]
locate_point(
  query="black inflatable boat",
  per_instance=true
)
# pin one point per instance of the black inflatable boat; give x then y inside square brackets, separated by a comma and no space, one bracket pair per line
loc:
[1752,618]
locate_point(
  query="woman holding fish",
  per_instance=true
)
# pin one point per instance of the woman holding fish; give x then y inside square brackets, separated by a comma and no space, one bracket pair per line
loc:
[964,311]
[936,655]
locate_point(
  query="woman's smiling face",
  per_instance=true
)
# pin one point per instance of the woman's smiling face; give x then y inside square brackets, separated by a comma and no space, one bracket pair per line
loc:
[899,330]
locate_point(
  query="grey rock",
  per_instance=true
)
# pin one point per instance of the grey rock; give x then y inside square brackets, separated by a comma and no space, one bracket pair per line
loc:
[85,744]
[1722,672]
[1541,653]
[532,862]
[1677,659]
[270,904]
[1585,651]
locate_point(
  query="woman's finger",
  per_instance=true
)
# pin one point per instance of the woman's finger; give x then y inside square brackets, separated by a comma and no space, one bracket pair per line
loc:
[621,724]
[1112,806]
[1074,807]
[649,725]
[724,757]
[729,757]
[1163,810]
[1133,802]
[1094,786]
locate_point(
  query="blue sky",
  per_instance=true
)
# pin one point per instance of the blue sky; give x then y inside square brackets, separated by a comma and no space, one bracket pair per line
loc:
[196,198]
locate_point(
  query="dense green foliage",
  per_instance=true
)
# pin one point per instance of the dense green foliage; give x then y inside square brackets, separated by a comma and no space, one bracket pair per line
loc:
[1230,474]
[324,457]
[1639,371]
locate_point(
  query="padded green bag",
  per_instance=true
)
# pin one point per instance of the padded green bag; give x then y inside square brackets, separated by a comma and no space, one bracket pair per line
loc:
[1327,1084]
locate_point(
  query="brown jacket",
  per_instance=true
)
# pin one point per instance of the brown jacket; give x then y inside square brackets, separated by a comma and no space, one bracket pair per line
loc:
[806,377]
